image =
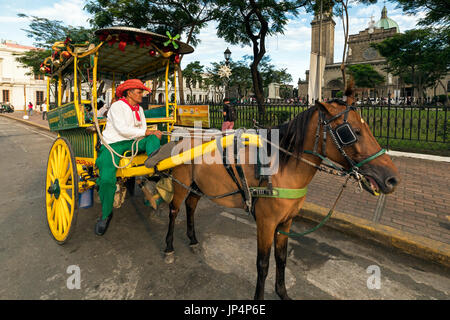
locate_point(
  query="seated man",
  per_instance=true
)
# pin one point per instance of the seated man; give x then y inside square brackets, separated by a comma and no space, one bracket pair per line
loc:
[126,122]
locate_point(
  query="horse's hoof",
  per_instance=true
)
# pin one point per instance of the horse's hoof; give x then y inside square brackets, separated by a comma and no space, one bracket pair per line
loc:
[169,257]
[195,248]
[284,296]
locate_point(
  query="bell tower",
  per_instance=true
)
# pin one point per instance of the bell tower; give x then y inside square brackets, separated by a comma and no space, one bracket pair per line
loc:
[326,36]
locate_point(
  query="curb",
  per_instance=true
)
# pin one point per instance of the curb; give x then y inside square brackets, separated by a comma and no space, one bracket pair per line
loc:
[412,244]
[26,122]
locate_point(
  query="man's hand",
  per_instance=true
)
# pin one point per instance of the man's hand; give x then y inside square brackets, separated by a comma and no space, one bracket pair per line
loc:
[157,133]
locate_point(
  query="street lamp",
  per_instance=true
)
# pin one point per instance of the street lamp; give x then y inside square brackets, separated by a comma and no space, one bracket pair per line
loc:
[227,55]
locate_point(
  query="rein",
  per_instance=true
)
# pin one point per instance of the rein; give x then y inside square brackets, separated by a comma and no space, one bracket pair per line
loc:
[286,193]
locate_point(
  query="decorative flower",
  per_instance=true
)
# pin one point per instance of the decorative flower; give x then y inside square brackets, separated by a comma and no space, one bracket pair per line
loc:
[112,40]
[143,40]
[103,36]
[171,40]
[224,71]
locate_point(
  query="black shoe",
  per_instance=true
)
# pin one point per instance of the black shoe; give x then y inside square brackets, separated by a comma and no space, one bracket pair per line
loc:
[102,225]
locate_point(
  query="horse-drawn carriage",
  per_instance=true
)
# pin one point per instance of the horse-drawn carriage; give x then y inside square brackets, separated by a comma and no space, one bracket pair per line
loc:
[74,69]
[326,131]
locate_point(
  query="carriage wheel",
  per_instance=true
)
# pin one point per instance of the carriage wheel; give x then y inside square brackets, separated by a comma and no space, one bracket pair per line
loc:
[61,190]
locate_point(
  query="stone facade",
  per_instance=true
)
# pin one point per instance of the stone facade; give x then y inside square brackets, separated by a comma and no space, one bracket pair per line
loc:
[17,88]
[360,52]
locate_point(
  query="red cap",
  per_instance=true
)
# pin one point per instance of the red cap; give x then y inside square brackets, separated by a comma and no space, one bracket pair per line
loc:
[130,84]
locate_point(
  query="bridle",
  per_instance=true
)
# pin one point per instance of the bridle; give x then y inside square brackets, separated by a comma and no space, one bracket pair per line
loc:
[342,136]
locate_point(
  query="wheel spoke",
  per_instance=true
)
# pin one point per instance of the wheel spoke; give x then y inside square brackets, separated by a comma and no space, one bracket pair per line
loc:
[59,158]
[58,214]
[68,174]
[52,213]
[55,162]
[65,213]
[52,167]
[65,161]
[65,186]
[66,196]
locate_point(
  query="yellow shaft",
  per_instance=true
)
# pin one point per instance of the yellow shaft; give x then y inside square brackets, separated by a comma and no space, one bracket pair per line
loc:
[189,155]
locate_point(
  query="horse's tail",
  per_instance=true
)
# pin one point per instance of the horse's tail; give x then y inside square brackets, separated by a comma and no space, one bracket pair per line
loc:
[350,91]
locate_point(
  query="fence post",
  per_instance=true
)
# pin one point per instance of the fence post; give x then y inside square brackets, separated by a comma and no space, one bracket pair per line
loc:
[388,120]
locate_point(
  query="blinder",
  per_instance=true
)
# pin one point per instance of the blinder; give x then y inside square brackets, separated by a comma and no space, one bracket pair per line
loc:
[345,134]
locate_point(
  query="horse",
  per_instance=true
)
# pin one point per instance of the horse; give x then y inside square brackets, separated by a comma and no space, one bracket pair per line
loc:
[274,215]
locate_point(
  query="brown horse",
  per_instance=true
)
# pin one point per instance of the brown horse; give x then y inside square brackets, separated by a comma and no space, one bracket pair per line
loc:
[273,214]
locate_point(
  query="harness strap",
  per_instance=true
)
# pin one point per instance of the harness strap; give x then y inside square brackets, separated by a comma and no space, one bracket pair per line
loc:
[284,193]
[376,155]
[321,223]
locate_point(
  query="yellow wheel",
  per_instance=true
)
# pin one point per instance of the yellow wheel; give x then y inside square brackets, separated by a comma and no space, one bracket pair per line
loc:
[61,190]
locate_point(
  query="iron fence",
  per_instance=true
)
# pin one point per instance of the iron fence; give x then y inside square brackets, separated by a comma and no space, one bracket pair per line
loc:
[427,123]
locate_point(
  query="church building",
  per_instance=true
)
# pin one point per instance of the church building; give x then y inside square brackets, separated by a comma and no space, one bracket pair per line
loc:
[359,52]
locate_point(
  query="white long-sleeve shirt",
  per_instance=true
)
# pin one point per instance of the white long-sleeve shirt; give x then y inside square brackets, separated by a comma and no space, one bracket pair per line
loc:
[121,124]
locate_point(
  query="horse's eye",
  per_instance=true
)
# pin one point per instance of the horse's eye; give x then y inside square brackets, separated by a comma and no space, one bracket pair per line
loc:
[358,132]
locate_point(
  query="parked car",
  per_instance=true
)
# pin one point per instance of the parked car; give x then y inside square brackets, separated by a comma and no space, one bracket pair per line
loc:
[6,108]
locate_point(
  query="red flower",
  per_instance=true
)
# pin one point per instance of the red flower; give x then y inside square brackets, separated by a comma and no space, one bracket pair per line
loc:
[152,53]
[122,45]
[177,58]
[112,40]
[103,35]
[123,37]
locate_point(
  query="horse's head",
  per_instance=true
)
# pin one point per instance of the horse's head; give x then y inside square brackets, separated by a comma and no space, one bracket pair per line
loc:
[351,144]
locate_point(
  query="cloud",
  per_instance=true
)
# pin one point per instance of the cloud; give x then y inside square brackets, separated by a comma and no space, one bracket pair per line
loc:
[69,11]
[11,19]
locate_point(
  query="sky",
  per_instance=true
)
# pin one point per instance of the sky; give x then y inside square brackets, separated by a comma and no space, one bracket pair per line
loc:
[290,50]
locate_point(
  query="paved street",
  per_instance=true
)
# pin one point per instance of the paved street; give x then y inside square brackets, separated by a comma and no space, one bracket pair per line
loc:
[128,262]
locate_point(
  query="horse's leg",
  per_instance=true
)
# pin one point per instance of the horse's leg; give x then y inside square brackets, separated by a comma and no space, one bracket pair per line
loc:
[265,239]
[191,205]
[174,207]
[281,242]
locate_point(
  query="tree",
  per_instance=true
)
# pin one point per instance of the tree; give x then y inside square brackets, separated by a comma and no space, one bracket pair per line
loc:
[365,76]
[45,33]
[419,57]
[193,73]
[248,23]
[437,12]
[184,17]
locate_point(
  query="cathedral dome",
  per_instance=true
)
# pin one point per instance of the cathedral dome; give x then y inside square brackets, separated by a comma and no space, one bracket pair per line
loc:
[385,22]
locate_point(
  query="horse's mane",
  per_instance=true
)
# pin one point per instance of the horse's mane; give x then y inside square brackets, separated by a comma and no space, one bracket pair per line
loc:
[292,134]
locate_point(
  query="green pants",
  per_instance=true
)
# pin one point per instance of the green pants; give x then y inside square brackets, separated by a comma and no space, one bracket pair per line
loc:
[107,180]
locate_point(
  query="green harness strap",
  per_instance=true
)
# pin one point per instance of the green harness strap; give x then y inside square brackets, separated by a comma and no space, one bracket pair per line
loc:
[283,193]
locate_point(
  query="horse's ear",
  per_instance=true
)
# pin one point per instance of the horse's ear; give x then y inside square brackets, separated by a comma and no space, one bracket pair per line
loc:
[326,107]
[350,92]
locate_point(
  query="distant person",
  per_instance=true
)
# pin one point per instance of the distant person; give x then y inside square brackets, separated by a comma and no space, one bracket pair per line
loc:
[30,109]
[229,115]
[44,110]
